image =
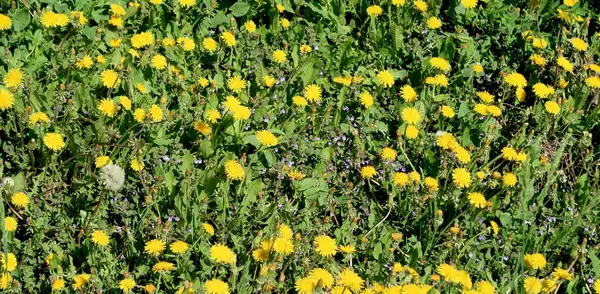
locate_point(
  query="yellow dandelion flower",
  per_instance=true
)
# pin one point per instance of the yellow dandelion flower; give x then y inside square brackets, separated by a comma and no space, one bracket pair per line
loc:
[213,115]
[494,110]
[127,284]
[154,247]
[411,132]
[163,266]
[469,4]
[388,154]
[159,61]
[229,39]
[543,91]
[579,44]
[203,128]
[495,228]
[312,93]
[322,278]
[279,56]
[552,107]
[285,23]
[516,80]
[186,43]
[420,5]
[350,280]
[592,82]
[385,78]
[110,78]
[156,112]
[100,238]
[410,115]
[38,117]
[538,59]
[13,78]
[79,281]
[408,93]
[107,107]
[477,199]
[461,178]
[250,26]
[401,179]
[5,22]
[434,23]
[325,246]
[269,81]
[532,285]
[209,44]
[540,43]
[216,286]
[535,261]
[54,141]
[305,49]
[142,40]
[447,111]
[368,172]
[234,170]
[10,224]
[431,184]
[136,165]
[236,84]
[565,64]
[208,228]
[485,96]
[299,101]
[283,246]
[366,99]
[266,138]
[440,63]
[562,274]
[179,247]
[509,179]
[222,254]
[139,115]
[19,199]
[374,10]
[187,3]
[305,285]
[102,161]
[58,284]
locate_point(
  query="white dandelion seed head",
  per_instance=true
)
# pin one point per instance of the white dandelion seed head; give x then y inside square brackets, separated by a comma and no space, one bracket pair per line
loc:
[113,177]
[8,181]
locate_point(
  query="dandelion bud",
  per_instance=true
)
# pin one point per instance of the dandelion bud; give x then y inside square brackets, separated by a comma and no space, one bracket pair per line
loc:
[113,177]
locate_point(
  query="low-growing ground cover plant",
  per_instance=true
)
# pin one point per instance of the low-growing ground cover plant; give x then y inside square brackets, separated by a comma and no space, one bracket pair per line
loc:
[399,146]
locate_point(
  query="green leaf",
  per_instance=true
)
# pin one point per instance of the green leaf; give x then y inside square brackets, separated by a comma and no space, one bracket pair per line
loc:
[441,97]
[377,251]
[19,182]
[595,261]
[463,109]
[307,183]
[187,161]
[308,72]
[21,19]
[219,19]
[239,9]
[505,218]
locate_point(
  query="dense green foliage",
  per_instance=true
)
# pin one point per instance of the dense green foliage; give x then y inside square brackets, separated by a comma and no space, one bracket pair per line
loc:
[444,145]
